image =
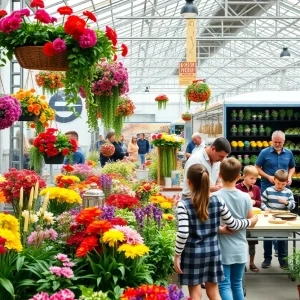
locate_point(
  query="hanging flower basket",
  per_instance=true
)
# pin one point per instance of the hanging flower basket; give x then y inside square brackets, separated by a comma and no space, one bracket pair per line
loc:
[10,111]
[50,82]
[107,149]
[32,118]
[111,82]
[162,101]
[186,116]
[197,92]
[54,160]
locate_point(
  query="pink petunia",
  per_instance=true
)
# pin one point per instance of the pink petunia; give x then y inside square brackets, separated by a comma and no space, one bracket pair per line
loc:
[65,294]
[53,19]
[59,45]
[42,16]
[88,39]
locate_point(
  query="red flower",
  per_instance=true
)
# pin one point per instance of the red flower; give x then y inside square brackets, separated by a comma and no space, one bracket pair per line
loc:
[99,227]
[41,148]
[87,216]
[2,240]
[123,201]
[115,57]
[37,3]
[65,10]
[65,151]
[74,26]
[48,49]
[2,249]
[76,239]
[3,13]
[68,168]
[118,221]
[82,250]
[90,15]
[50,145]
[124,50]
[111,34]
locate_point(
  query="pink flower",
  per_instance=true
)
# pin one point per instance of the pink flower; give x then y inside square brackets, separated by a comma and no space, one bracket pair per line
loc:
[53,19]
[153,136]
[59,45]
[66,272]
[55,270]
[42,16]
[51,234]
[63,295]
[32,237]
[132,236]
[14,23]
[88,39]
[159,136]
[68,264]
[62,257]
[41,296]
[25,12]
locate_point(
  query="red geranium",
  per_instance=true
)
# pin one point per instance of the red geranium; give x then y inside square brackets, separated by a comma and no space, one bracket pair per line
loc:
[65,151]
[112,35]
[90,15]
[68,168]
[48,49]
[65,10]
[37,3]
[3,13]
[124,50]
[115,57]
[123,201]
[74,26]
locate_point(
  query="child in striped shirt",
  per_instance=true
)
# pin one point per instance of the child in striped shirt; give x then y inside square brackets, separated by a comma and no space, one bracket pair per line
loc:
[277,197]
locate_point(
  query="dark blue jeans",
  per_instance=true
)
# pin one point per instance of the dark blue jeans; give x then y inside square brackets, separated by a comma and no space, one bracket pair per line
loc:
[282,251]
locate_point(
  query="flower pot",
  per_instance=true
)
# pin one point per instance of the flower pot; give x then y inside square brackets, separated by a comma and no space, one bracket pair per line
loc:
[290,118]
[168,182]
[33,58]
[282,118]
[233,118]
[246,133]
[259,118]
[233,133]
[261,134]
[267,118]
[253,148]
[253,118]
[259,148]
[247,148]
[253,133]
[275,118]
[54,160]
[32,118]
[241,118]
[142,175]
[233,148]
[241,148]
[240,133]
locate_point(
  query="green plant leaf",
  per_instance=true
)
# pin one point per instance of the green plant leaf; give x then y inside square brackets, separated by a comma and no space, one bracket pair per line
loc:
[7,285]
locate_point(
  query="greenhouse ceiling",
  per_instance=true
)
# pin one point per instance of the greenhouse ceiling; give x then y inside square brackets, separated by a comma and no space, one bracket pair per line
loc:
[238,42]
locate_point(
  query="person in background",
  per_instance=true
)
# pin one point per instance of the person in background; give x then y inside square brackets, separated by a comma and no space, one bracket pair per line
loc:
[194,145]
[26,150]
[233,246]
[133,149]
[210,157]
[122,144]
[197,253]
[144,148]
[277,197]
[98,144]
[118,154]
[248,186]
[78,156]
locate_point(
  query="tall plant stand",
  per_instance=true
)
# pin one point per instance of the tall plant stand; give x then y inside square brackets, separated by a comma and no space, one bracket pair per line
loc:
[170,155]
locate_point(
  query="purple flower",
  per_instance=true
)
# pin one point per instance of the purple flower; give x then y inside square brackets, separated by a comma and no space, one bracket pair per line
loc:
[175,293]
[139,216]
[59,45]
[157,214]
[148,211]
[10,111]
[88,39]
[108,212]
[106,184]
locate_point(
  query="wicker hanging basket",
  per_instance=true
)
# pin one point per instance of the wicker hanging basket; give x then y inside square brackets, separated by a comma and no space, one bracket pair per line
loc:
[33,58]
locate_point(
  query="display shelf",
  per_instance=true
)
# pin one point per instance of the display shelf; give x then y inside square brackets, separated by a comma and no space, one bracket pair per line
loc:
[265,121]
[292,135]
[250,136]
[245,151]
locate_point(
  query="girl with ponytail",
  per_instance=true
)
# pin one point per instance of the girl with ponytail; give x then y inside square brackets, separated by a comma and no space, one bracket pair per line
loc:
[197,253]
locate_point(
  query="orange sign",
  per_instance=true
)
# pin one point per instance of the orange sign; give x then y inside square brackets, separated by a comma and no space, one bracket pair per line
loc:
[187,72]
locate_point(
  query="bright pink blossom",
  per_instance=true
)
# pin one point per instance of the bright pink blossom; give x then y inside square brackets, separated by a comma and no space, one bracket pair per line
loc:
[42,16]
[59,45]
[66,272]
[62,257]
[55,270]
[88,39]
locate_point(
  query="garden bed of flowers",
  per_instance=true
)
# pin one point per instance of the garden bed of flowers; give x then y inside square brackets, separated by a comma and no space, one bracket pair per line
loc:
[56,249]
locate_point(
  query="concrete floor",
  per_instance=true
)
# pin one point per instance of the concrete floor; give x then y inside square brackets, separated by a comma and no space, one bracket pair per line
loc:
[267,287]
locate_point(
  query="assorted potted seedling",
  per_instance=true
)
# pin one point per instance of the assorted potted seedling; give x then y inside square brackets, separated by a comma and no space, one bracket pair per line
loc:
[268,131]
[267,115]
[254,130]
[274,114]
[248,115]
[247,145]
[234,115]
[240,130]
[247,130]
[282,114]
[297,115]
[241,115]
[289,114]
[260,115]
[261,130]
[233,130]
[254,116]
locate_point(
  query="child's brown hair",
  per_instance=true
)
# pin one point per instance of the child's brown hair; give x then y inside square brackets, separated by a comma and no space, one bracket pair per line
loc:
[281,175]
[230,169]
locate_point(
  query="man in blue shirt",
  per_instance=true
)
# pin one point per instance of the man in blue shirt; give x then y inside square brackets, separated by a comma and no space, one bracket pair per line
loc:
[144,148]
[194,145]
[78,156]
[275,158]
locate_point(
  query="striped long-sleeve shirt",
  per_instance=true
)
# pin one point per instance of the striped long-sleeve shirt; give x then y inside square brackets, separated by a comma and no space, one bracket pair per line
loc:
[270,199]
[183,224]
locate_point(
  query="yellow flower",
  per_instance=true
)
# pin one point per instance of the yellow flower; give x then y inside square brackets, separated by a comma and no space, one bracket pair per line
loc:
[62,195]
[165,205]
[234,144]
[168,217]
[133,251]
[112,236]
[157,199]
[173,139]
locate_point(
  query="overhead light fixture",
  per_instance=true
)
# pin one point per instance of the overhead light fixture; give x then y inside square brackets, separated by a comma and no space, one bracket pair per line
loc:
[189,10]
[285,52]
[147,90]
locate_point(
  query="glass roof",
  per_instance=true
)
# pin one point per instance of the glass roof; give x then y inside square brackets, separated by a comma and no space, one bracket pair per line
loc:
[237,52]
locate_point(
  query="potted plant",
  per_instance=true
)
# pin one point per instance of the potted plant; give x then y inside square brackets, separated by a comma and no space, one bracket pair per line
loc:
[261,130]
[293,267]
[233,130]
[259,145]
[186,116]
[247,130]
[297,115]
[289,114]
[161,101]
[234,145]
[52,146]
[246,160]
[240,130]
[267,115]
[254,116]
[240,159]
[254,130]
[50,81]
[197,92]
[73,46]
[241,115]
[260,115]
[10,111]
[247,145]
[248,115]
[241,145]
[282,114]
[253,145]
[268,131]
[253,159]
[233,115]
[274,114]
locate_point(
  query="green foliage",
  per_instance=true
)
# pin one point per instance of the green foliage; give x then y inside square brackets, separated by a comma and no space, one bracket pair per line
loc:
[89,294]
[282,113]
[128,216]
[117,167]
[35,158]
[118,125]
[153,168]
[167,161]
[289,112]
[294,265]
[162,104]
[93,156]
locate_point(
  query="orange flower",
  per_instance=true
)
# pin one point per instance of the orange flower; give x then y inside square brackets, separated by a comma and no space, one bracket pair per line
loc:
[44,105]
[98,227]
[43,97]
[36,112]
[32,125]
[82,250]
[46,124]
[87,215]
[32,90]
[30,108]
[42,118]
[2,197]
[36,107]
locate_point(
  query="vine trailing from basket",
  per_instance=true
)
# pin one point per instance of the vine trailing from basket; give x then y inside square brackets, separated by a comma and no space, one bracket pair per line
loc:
[186,116]
[10,111]
[79,46]
[50,81]
[197,92]
[161,101]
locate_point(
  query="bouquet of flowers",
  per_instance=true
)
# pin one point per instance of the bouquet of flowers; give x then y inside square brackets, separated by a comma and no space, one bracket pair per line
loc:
[14,181]
[73,41]
[51,143]
[61,199]
[121,188]
[65,294]
[146,190]
[198,91]
[111,82]
[10,111]
[162,101]
[82,171]
[64,181]
[50,81]
[107,149]
[123,201]
[165,140]
[34,105]
[186,116]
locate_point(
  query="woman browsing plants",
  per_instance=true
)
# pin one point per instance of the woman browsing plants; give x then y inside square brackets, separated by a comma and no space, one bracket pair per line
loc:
[133,149]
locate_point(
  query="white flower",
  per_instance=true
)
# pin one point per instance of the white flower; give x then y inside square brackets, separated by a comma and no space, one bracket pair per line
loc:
[48,217]
[33,217]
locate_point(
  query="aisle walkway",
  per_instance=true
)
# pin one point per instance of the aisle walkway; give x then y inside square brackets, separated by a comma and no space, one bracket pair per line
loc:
[269,287]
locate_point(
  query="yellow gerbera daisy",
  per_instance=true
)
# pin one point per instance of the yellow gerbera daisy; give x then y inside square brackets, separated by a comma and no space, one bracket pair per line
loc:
[133,251]
[112,236]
